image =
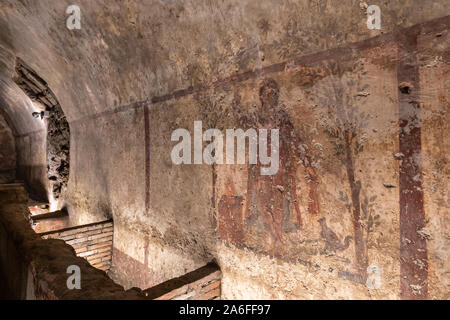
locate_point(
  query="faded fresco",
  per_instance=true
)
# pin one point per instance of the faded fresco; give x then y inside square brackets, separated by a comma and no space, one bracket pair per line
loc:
[359,208]
[323,201]
[334,214]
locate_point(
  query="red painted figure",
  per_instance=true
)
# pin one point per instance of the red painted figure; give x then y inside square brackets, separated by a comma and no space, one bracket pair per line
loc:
[272,200]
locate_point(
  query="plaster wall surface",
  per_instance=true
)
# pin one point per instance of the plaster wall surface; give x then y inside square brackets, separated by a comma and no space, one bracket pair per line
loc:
[7,153]
[137,70]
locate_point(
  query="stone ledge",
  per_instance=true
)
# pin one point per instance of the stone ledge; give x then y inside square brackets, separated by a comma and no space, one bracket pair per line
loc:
[50,215]
[46,261]
[90,226]
[190,285]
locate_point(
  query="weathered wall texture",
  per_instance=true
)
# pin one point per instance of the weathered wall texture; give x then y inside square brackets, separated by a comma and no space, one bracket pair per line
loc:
[201,284]
[33,268]
[92,242]
[29,133]
[49,221]
[58,131]
[7,153]
[363,114]
[32,165]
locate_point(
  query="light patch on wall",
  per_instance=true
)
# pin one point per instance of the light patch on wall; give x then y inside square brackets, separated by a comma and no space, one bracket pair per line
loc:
[373,277]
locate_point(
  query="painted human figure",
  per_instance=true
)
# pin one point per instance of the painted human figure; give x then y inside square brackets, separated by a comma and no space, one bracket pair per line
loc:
[272,200]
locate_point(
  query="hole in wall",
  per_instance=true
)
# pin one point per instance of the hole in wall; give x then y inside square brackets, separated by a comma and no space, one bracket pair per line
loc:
[405,87]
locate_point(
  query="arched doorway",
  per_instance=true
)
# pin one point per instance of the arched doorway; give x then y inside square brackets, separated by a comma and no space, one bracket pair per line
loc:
[58,131]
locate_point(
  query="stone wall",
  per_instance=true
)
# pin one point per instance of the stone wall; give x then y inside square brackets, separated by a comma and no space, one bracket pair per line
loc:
[58,131]
[7,153]
[13,270]
[29,133]
[364,196]
[200,284]
[49,221]
[31,163]
[33,268]
[93,242]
